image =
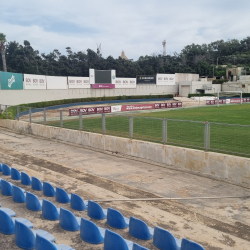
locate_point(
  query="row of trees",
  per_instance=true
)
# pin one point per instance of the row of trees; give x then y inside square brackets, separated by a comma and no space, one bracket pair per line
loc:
[200,59]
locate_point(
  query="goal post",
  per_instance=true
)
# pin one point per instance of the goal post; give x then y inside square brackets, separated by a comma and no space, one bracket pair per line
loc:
[229,95]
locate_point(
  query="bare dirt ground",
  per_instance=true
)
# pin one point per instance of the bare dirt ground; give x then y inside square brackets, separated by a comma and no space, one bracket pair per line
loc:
[215,224]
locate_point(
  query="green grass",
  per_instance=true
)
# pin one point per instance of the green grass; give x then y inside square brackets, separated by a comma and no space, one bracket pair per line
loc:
[148,126]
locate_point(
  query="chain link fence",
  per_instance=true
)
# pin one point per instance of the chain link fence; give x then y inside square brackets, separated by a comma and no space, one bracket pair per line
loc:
[208,136]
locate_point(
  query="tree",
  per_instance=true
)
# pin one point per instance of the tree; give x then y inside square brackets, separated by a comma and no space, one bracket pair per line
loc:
[2,49]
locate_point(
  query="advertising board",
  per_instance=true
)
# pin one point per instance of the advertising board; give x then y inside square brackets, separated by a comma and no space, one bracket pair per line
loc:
[10,80]
[34,81]
[78,82]
[125,83]
[146,79]
[89,110]
[103,86]
[165,79]
[57,82]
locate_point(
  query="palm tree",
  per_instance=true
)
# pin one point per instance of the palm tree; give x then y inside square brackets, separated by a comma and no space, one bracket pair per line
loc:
[2,49]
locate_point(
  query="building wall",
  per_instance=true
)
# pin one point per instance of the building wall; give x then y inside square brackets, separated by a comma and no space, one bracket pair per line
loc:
[236,86]
[16,97]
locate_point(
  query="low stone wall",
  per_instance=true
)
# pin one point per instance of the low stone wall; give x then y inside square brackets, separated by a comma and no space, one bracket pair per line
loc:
[224,167]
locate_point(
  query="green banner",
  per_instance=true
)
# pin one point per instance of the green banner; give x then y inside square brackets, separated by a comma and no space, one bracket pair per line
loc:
[10,80]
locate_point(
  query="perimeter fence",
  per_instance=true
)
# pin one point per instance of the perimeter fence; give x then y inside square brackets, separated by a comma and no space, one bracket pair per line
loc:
[209,136]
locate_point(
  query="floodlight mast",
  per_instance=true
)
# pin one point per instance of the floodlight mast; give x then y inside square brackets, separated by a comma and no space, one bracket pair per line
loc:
[164,47]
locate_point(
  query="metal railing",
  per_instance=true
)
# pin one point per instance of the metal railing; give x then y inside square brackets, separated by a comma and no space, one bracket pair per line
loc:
[208,136]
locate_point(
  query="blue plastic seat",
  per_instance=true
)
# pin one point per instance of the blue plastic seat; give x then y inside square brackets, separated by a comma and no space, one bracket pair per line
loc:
[115,219]
[164,240]
[18,194]
[9,211]
[7,223]
[95,211]
[48,189]
[77,203]
[114,241]
[190,245]
[44,244]
[68,221]
[139,229]
[15,174]
[1,167]
[138,247]
[25,179]
[0,182]
[25,238]
[32,202]
[6,188]
[5,169]
[91,233]
[50,211]
[36,184]
[62,196]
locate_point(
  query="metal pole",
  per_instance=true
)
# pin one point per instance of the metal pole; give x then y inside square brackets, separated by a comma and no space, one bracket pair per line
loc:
[163,198]
[240,98]
[103,124]
[208,136]
[17,113]
[30,114]
[205,136]
[6,110]
[44,115]
[164,130]
[131,127]
[80,120]
[61,119]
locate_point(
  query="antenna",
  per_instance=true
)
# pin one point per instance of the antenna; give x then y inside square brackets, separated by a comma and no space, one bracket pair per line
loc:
[99,50]
[164,47]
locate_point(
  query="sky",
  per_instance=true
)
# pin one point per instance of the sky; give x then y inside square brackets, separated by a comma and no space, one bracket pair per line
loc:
[135,26]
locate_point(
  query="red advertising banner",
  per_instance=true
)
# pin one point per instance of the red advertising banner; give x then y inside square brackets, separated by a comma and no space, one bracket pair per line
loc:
[103,86]
[122,108]
[227,101]
[137,107]
[88,111]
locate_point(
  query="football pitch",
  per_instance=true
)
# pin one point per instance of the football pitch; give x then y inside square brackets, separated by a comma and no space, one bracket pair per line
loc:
[184,127]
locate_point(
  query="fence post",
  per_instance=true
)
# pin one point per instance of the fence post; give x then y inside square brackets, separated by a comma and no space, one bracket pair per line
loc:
[164,130]
[6,110]
[17,113]
[80,120]
[30,114]
[131,127]
[103,124]
[44,115]
[61,119]
[206,136]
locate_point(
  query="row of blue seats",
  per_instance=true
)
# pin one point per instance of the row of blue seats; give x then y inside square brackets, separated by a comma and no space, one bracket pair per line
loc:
[67,220]
[25,237]
[137,228]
